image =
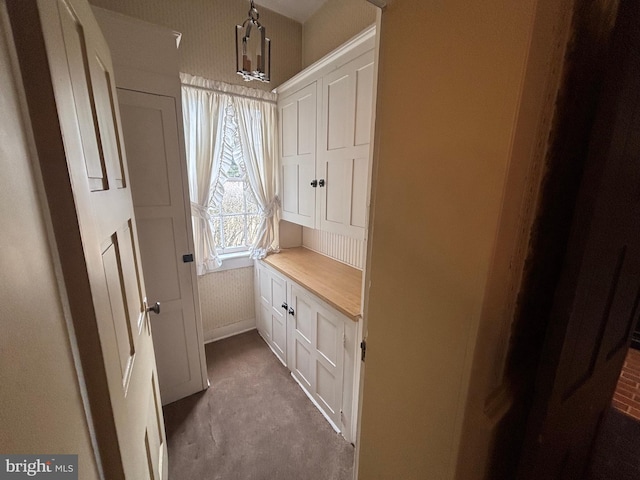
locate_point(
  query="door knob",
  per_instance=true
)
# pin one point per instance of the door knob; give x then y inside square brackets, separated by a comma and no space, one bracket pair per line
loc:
[291,311]
[284,305]
[155,308]
[321,183]
[314,183]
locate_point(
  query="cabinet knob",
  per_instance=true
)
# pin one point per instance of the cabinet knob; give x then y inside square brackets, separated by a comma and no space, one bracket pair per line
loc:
[284,305]
[314,183]
[321,182]
[291,311]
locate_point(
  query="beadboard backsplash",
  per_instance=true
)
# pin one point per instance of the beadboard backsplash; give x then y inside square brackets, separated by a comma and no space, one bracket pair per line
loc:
[344,249]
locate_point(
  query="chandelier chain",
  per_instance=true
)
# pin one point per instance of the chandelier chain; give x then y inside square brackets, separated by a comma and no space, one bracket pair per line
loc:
[253,12]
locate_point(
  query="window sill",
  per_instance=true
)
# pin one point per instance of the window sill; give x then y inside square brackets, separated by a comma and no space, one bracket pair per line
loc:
[231,261]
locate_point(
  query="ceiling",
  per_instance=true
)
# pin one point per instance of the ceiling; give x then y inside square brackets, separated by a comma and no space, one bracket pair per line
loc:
[299,10]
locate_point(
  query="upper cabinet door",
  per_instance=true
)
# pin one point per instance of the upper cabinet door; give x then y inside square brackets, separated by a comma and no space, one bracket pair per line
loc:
[343,147]
[297,114]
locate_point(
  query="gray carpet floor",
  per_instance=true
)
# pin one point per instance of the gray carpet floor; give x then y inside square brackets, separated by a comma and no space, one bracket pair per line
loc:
[617,451]
[254,422]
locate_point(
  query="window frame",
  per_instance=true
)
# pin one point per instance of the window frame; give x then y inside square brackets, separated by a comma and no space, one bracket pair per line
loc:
[226,252]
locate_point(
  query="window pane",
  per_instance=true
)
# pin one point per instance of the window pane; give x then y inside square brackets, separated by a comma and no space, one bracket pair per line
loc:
[252,227]
[234,231]
[234,170]
[216,231]
[252,205]
[214,209]
[233,199]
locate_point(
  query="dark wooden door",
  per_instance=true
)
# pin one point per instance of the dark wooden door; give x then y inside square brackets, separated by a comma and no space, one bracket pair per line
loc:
[596,304]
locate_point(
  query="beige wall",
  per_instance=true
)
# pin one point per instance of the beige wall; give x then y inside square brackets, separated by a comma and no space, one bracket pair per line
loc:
[208,42]
[329,27]
[41,409]
[226,298]
[207,49]
[333,24]
[454,138]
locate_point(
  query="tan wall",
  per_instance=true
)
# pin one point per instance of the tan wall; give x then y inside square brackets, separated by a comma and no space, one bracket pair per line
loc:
[453,138]
[208,42]
[41,410]
[207,49]
[333,24]
[226,298]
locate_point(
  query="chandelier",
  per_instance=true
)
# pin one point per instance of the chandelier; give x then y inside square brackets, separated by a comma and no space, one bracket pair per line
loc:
[253,54]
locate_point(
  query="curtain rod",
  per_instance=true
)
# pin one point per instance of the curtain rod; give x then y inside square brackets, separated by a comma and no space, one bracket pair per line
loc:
[207,89]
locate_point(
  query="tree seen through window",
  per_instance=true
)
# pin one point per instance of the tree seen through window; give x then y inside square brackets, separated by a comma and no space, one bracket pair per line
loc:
[236,220]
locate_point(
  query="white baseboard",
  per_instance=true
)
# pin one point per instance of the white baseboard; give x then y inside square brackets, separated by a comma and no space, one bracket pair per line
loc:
[230,330]
[313,400]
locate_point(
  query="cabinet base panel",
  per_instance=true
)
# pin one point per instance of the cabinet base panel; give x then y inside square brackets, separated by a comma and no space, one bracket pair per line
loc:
[272,349]
[313,400]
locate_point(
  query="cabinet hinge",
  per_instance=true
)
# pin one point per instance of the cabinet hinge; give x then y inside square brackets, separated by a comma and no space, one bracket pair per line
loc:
[344,340]
[363,347]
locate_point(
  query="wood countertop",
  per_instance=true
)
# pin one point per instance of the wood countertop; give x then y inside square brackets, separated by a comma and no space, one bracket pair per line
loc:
[336,283]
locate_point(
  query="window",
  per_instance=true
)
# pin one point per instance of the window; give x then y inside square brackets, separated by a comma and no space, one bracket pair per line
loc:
[235,221]
[232,172]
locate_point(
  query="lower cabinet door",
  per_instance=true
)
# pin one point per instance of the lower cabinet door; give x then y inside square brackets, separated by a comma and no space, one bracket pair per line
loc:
[272,321]
[314,341]
[302,335]
[316,353]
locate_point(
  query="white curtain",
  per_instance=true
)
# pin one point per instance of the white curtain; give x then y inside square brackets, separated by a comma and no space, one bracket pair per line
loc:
[220,124]
[257,123]
[203,113]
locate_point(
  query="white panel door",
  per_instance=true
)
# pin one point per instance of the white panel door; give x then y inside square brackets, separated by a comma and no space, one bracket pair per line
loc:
[343,148]
[263,304]
[150,126]
[302,338]
[317,351]
[273,308]
[329,357]
[77,100]
[297,114]
[278,316]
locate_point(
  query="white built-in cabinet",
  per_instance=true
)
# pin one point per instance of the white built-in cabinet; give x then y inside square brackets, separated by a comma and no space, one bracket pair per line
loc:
[272,309]
[325,123]
[297,118]
[314,341]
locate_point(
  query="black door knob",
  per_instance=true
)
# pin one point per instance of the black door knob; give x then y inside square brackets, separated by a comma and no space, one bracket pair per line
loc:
[314,183]
[155,308]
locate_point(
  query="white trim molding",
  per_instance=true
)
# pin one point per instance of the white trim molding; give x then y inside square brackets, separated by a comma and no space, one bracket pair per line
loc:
[230,330]
[359,44]
[381,4]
